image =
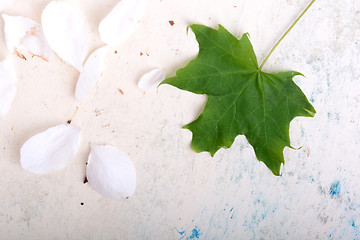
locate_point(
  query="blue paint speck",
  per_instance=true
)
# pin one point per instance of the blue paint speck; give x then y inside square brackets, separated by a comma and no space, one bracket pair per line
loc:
[181,233]
[335,188]
[195,233]
[274,209]
[332,234]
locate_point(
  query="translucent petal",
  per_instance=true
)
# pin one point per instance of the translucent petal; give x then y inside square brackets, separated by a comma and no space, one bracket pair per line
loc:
[111,172]
[122,21]
[4,3]
[24,34]
[50,150]
[91,73]
[151,79]
[66,32]
[7,86]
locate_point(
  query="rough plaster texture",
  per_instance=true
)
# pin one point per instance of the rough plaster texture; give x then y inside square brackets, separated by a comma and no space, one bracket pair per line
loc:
[181,194]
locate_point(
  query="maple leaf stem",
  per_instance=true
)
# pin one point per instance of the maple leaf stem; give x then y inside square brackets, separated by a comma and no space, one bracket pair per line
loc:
[284,35]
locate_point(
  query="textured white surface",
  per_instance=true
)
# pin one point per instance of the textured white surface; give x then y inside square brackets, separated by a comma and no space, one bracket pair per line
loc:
[181,194]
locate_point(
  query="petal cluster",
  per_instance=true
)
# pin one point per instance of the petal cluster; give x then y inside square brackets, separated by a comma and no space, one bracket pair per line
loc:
[25,34]
[63,30]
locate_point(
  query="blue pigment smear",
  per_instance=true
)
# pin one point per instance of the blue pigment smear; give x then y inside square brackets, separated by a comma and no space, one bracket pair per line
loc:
[356,230]
[335,188]
[312,99]
[195,233]
[181,233]
[274,209]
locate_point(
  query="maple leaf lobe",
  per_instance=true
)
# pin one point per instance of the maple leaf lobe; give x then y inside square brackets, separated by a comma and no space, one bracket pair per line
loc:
[241,98]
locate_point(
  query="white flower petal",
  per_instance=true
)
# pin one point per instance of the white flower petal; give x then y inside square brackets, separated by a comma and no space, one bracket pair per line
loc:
[50,150]
[4,3]
[7,86]
[91,73]
[25,34]
[122,21]
[151,79]
[111,172]
[66,32]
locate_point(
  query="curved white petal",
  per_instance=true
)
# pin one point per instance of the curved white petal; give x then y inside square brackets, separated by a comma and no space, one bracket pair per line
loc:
[122,21]
[66,32]
[7,86]
[4,3]
[91,73]
[152,79]
[25,34]
[50,150]
[111,172]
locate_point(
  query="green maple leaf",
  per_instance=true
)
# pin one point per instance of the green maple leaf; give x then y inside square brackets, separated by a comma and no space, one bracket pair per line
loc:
[241,98]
